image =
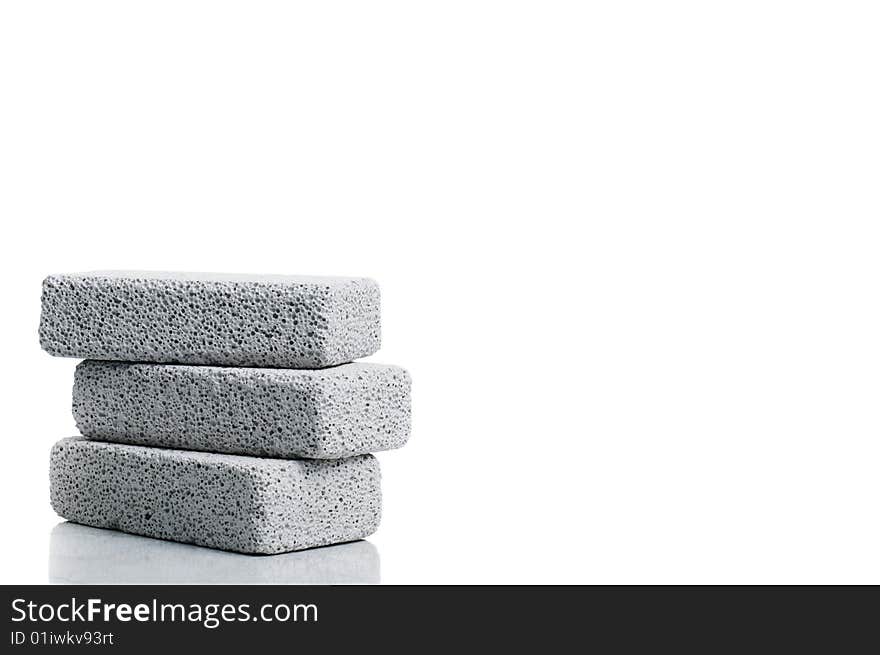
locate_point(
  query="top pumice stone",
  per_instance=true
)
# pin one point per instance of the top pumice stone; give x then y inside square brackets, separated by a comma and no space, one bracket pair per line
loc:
[208,318]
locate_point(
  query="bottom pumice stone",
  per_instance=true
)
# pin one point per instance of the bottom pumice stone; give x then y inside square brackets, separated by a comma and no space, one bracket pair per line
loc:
[231,502]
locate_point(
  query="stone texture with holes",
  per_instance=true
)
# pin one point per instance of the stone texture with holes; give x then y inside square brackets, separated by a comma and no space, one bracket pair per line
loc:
[207,318]
[80,554]
[243,504]
[335,412]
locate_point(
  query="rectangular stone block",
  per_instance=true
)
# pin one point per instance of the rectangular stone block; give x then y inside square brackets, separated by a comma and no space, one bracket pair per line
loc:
[210,318]
[243,504]
[81,554]
[335,412]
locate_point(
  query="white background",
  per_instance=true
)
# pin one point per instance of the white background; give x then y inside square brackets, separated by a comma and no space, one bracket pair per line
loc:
[628,250]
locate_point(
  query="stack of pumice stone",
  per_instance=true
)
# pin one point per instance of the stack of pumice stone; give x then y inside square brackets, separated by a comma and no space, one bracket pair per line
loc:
[223,410]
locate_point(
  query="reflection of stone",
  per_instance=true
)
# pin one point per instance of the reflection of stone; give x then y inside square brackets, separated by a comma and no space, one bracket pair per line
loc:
[83,555]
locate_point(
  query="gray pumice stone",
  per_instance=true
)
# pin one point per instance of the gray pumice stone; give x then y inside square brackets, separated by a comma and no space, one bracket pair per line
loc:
[327,413]
[81,554]
[210,318]
[243,504]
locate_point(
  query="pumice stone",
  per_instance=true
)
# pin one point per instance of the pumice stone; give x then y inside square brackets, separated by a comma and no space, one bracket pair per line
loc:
[243,504]
[210,318]
[327,413]
[81,554]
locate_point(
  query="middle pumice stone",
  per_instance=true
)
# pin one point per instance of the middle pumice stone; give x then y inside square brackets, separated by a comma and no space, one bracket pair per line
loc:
[328,413]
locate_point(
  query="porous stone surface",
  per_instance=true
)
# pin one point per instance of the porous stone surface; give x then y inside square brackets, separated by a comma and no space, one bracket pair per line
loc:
[243,504]
[81,554]
[335,412]
[210,318]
